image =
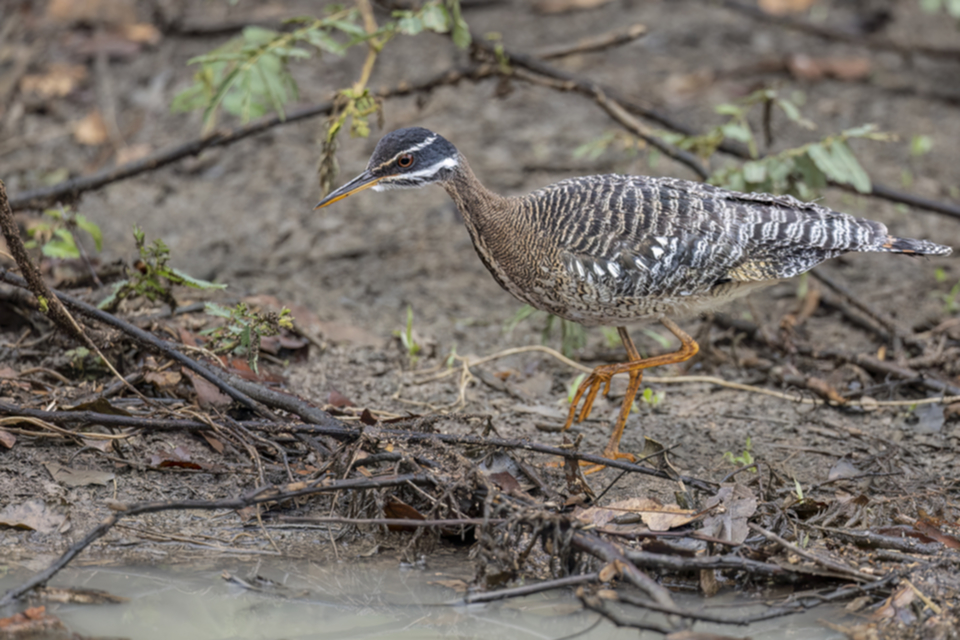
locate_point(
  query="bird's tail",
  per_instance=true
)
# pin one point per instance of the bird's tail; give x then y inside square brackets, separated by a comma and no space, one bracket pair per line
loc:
[914,247]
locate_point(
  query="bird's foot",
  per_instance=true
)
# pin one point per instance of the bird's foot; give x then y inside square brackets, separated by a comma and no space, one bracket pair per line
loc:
[589,387]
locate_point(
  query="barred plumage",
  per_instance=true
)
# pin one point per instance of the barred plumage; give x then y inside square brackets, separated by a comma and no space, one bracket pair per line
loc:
[608,249]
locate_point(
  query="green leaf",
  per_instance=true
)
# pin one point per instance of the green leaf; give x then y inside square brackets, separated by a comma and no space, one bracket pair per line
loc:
[435,18]
[84,223]
[461,32]
[754,171]
[737,131]
[844,157]
[825,161]
[727,109]
[218,310]
[112,300]
[350,28]
[409,24]
[190,281]
[62,245]
[920,145]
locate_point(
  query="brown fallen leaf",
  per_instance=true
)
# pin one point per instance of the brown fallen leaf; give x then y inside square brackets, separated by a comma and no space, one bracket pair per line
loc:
[208,395]
[141,32]
[785,7]
[7,439]
[34,515]
[163,379]
[214,443]
[91,130]
[73,595]
[338,400]
[133,152]
[454,583]
[179,458]
[505,481]
[930,528]
[400,510]
[77,477]
[57,81]
[100,405]
[729,523]
[34,622]
[116,12]
[804,67]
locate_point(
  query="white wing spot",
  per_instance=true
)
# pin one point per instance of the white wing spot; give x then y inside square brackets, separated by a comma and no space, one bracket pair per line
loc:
[657,252]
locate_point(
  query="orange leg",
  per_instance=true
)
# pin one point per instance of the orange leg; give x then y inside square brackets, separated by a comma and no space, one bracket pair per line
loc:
[601,376]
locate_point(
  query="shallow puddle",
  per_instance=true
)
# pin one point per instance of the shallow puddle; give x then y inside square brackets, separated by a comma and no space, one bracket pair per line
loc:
[358,599]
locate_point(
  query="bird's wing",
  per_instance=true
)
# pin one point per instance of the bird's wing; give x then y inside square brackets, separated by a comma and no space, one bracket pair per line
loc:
[666,236]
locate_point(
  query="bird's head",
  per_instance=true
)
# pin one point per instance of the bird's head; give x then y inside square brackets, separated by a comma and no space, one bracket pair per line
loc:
[405,158]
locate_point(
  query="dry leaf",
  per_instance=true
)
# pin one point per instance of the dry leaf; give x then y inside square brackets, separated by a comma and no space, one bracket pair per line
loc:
[7,439]
[142,32]
[77,477]
[457,585]
[565,6]
[213,442]
[133,152]
[59,80]
[34,622]
[611,571]
[785,7]
[730,522]
[115,12]
[400,510]
[33,514]
[163,379]
[805,67]
[90,131]
[843,468]
[208,395]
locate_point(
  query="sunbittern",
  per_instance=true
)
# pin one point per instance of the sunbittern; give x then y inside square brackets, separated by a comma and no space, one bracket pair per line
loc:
[609,249]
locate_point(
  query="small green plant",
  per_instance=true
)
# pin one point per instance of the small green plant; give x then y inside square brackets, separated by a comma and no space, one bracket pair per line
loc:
[652,398]
[242,333]
[950,299]
[83,361]
[152,277]
[802,171]
[798,490]
[951,7]
[406,338]
[611,337]
[572,335]
[452,358]
[54,233]
[742,460]
[573,386]
[250,76]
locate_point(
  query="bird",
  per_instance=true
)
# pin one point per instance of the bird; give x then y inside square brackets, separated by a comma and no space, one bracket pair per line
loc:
[612,249]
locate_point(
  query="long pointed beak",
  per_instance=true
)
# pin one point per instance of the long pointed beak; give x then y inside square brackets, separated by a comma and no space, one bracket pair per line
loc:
[363,181]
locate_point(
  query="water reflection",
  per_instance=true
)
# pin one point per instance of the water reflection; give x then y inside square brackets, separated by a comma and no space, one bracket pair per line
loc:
[358,599]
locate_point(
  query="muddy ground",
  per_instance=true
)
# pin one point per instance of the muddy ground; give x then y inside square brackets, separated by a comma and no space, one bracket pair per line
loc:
[242,215]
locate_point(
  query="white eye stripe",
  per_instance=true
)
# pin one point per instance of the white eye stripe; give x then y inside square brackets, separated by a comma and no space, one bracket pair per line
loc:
[446,163]
[417,147]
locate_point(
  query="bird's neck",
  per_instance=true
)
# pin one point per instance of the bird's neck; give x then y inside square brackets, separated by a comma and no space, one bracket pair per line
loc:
[498,227]
[481,208]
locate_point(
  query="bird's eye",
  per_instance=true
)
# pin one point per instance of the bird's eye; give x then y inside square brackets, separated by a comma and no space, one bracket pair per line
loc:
[405,160]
